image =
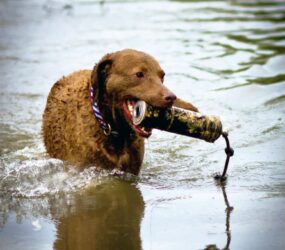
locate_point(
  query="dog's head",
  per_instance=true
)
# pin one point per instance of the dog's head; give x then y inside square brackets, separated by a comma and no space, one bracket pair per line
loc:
[124,77]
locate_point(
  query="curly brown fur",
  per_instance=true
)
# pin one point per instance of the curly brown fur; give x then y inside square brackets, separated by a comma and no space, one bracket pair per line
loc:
[70,129]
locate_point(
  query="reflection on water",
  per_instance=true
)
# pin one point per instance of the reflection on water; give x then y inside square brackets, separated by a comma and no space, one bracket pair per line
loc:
[228,211]
[226,57]
[105,217]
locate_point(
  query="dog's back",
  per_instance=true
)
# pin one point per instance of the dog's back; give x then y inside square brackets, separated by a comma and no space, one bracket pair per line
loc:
[68,118]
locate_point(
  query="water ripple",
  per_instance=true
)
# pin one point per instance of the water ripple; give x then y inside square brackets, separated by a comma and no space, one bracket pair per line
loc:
[227,57]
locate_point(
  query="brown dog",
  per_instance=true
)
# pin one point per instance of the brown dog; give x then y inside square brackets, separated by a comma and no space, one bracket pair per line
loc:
[71,131]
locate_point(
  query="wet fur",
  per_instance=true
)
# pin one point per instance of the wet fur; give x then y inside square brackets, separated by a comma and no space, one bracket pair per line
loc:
[72,133]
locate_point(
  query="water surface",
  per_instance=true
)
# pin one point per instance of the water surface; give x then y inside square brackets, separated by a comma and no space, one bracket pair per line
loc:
[226,57]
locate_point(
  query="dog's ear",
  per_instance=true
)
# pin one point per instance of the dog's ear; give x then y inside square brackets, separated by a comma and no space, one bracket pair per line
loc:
[185,105]
[99,75]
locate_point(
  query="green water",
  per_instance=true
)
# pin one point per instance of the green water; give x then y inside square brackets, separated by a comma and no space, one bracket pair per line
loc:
[226,57]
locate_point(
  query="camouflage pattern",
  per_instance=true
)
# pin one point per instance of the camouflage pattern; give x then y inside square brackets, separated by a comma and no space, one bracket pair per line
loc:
[183,122]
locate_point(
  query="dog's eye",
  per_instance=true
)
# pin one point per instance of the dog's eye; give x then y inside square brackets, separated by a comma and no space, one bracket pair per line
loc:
[140,74]
[162,76]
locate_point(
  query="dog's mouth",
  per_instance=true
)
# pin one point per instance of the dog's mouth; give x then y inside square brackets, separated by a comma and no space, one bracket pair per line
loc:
[128,107]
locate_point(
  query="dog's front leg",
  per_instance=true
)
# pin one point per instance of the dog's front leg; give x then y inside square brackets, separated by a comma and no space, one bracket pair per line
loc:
[184,105]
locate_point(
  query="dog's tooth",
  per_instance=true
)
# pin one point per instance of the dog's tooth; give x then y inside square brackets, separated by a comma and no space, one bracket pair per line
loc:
[130,107]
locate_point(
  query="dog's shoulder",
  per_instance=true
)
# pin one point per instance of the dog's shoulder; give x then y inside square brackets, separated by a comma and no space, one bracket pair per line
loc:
[71,84]
[80,78]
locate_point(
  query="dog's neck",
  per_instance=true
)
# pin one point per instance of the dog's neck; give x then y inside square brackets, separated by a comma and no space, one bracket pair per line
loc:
[109,117]
[105,126]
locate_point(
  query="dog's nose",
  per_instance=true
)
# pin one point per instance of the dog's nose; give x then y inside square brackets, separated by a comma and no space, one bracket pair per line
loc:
[170,98]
